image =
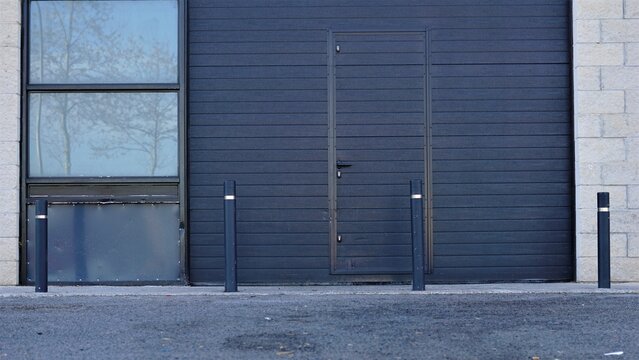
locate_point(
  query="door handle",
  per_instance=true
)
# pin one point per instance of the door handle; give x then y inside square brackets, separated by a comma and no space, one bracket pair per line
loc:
[340,164]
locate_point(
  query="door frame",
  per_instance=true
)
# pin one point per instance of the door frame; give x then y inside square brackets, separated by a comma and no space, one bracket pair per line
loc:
[332,154]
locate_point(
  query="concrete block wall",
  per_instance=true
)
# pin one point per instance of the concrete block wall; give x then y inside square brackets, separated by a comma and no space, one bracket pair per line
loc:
[606,74]
[10,19]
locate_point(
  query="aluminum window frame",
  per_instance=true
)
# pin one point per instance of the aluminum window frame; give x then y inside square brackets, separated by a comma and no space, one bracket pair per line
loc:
[96,190]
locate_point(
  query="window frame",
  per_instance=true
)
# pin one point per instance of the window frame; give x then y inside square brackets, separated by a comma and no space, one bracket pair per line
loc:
[96,190]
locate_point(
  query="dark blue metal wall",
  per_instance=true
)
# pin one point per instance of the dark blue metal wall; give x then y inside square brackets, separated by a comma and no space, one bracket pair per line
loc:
[501,135]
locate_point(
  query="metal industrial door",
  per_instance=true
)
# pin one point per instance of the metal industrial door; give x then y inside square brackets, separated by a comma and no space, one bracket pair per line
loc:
[377,99]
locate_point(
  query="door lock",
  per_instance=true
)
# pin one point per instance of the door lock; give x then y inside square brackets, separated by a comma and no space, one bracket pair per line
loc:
[339,238]
[340,165]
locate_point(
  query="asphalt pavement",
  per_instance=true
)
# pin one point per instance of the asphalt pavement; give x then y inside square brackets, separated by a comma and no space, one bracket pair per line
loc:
[319,325]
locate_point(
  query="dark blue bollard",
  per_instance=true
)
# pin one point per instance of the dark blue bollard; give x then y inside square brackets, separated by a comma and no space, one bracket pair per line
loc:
[417,233]
[230,241]
[41,253]
[603,239]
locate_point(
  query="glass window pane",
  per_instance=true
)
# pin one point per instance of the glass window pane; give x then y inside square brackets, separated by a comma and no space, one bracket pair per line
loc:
[103,134]
[74,42]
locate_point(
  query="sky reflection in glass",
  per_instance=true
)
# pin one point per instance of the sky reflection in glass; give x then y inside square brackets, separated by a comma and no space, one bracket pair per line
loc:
[79,42]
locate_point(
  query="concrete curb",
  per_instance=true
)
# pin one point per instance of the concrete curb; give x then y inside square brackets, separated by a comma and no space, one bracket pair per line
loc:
[365,290]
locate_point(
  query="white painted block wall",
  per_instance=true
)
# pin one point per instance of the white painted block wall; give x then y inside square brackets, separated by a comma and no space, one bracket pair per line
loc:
[9,139]
[606,69]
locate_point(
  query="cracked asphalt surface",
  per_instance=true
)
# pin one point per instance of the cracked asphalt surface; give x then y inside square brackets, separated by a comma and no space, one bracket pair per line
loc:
[485,326]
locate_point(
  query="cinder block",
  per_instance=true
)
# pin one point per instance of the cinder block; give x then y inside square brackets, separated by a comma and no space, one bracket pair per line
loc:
[10,105]
[633,197]
[8,226]
[633,244]
[9,249]
[632,56]
[632,101]
[8,273]
[588,78]
[598,9]
[10,57]
[624,221]
[601,149]
[587,196]
[600,102]
[632,9]
[9,152]
[9,176]
[586,269]
[618,245]
[599,54]
[586,245]
[9,128]
[587,31]
[9,200]
[620,125]
[589,173]
[632,148]
[586,221]
[626,30]
[620,173]
[624,269]
[619,77]
[588,126]
[10,11]
[9,78]
[9,34]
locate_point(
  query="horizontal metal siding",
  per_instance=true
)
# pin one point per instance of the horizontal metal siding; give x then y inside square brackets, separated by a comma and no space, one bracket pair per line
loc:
[501,133]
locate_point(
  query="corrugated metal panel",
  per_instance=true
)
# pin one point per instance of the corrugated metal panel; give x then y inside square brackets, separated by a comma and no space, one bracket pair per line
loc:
[501,133]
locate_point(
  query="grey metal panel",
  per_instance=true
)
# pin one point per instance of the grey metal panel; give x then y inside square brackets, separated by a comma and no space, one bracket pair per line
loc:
[501,127]
[98,243]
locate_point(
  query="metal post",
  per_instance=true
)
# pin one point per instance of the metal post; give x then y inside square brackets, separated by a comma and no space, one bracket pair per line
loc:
[603,239]
[417,232]
[41,253]
[230,243]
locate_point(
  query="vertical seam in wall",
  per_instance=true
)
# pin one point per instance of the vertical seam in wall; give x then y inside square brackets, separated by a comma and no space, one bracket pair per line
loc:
[600,40]
[600,82]
[625,54]
[575,175]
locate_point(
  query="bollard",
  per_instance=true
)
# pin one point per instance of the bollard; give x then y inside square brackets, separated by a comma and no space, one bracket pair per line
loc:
[417,233]
[603,239]
[230,241]
[41,251]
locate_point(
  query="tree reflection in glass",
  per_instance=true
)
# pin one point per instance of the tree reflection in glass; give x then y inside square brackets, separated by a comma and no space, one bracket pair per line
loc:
[103,134]
[77,42]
